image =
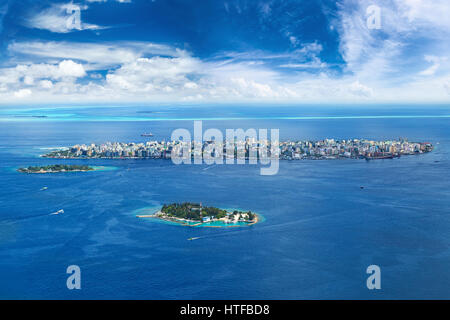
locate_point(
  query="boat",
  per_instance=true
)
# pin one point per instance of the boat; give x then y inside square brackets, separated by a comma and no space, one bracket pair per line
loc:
[149,134]
[195,238]
[57,212]
[389,156]
[44,188]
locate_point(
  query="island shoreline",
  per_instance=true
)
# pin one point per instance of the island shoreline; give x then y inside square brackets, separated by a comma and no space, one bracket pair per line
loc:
[185,222]
[41,171]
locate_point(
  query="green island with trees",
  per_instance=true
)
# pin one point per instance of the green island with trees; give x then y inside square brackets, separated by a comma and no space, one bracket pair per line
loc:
[194,214]
[56,168]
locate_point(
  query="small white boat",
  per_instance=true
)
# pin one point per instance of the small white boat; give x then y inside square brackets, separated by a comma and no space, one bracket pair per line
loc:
[57,212]
[44,188]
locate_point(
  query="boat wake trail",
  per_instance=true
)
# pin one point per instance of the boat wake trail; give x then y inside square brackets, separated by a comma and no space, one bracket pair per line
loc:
[221,234]
[57,212]
[264,229]
[209,167]
[30,217]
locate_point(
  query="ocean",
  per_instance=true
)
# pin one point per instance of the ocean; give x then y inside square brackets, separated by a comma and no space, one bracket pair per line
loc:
[320,231]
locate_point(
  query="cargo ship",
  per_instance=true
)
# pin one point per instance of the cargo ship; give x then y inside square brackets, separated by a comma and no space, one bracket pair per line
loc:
[387,156]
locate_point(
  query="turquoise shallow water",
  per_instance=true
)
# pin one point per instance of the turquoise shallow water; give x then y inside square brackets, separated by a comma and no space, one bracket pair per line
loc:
[221,224]
[150,114]
[105,168]
[75,117]
[320,234]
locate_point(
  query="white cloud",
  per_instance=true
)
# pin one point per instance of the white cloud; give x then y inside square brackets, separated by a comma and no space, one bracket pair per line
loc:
[61,18]
[306,57]
[147,74]
[22,80]
[446,85]
[294,41]
[28,80]
[22,93]
[46,84]
[190,85]
[314,64]
[436,63]
[143,72]
[404,60]
[95,55]
[68,68]
[64,69]
[247,87]
[311,49]
[390,59]
[428,13]
[360,90]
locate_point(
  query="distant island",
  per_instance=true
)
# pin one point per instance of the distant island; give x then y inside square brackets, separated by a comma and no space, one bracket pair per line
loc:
[194,214]
[56,168]
[326,149]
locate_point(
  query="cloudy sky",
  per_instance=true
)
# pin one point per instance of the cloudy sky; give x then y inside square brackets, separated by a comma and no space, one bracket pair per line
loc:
[293,51]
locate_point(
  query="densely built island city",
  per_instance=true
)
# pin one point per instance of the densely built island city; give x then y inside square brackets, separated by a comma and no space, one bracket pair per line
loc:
[288,150]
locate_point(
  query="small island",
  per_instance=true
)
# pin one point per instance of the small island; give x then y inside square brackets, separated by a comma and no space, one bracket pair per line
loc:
[194,214]
[56,168]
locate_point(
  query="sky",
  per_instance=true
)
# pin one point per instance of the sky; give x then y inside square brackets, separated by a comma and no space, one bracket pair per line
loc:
[232,51]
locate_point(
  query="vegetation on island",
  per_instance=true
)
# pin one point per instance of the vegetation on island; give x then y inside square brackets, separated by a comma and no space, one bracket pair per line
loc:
[55,168]
[197,212]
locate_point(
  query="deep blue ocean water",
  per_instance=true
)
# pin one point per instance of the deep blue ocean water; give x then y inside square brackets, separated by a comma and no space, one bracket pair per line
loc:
[321,231]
